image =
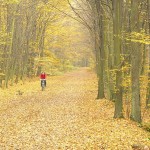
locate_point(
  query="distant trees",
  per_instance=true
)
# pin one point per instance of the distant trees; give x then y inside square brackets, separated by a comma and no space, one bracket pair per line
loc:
[31,28]
[19,25]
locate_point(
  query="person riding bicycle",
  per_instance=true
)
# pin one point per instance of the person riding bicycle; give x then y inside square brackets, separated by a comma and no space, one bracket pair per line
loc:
[43,77]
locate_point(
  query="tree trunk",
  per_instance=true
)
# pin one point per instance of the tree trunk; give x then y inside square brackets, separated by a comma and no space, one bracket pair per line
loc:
[100,49]
[117,26]
[148,48]
[135,65]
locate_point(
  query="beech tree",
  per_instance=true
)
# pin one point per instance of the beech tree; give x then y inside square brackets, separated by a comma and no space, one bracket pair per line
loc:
[117,29]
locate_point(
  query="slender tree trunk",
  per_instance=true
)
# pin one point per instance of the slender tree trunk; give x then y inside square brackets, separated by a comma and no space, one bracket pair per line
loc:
[10,29]
[148,49]
[41,47]
[148,86]
[100,43]
[117,14]
[135,64]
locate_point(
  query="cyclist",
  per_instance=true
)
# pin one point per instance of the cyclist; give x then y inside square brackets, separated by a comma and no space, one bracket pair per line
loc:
[43,77]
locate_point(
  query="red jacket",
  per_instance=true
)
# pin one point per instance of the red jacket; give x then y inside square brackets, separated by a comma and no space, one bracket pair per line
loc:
[43,76]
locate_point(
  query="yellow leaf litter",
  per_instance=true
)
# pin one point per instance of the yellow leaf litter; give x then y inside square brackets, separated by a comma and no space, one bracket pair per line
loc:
[65,116]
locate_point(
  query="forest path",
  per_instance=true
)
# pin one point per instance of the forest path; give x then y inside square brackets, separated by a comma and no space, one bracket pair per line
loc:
[65,116]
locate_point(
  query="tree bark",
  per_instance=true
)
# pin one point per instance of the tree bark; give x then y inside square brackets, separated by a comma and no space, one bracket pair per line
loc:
[117,26]
[100,49]
[135,65]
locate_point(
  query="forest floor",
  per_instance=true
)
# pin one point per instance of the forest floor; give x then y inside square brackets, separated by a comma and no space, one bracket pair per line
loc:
[65,116]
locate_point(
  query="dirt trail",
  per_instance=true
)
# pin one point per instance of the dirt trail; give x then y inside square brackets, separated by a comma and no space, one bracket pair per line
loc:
[65,116]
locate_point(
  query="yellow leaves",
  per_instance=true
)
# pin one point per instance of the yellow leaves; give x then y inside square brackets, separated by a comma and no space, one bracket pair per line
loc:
[125,68]
[139,37]
[126,82]
[64,116]
[2,75]
[49,60]
[11,1]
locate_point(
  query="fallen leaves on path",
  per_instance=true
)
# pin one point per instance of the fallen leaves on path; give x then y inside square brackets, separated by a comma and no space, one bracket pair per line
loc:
[65,116]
